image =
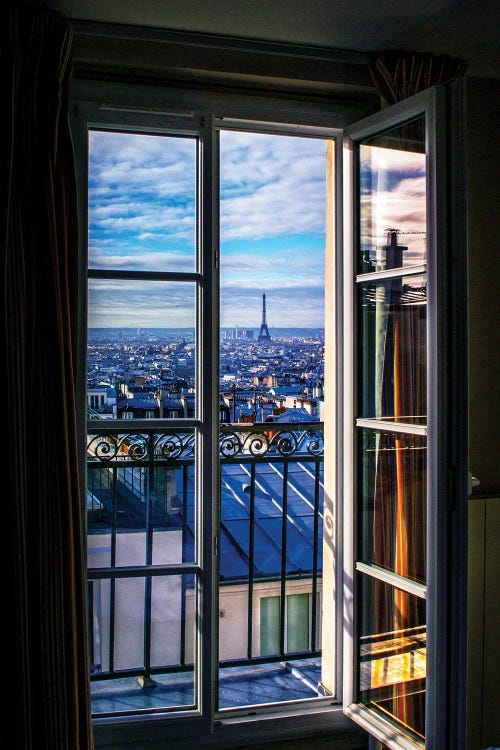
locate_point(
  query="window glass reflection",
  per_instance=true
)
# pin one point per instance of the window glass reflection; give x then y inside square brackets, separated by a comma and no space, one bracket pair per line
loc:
[392,182]
[392,502]
[393,341]
[392,651]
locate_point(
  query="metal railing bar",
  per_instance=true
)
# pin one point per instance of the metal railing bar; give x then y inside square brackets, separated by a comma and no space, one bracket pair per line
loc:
[112,592]
[138,671]
[183,578]
[148,583]
[177,463]
[242,458]
[251,543]
[283,559]
[315,560]
[247,458]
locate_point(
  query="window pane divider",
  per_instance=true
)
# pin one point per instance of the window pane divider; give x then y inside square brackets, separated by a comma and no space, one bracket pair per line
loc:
[393,579]
[392,273]
[141,571]
[106,273]
[403,427]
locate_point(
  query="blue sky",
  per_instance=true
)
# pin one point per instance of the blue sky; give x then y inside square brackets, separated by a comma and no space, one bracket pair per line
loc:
[272,217]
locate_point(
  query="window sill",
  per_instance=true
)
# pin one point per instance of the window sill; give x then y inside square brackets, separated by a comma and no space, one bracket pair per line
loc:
[327,721]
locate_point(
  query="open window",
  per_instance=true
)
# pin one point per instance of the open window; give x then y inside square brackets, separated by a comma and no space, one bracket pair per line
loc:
[405,471]
[367,592]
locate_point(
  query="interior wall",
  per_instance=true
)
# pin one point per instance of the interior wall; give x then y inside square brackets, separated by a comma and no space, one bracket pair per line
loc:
[483,173]
[483,176]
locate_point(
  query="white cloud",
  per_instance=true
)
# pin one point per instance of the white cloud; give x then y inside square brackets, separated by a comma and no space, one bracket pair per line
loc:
[142,214]
[271,185]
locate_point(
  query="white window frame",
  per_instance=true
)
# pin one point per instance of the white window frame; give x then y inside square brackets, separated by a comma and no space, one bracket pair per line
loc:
[133,105]
[446,455]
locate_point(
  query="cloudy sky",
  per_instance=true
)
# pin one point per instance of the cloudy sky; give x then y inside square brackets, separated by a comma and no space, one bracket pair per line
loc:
[393,195]
[272,212]
[142,216]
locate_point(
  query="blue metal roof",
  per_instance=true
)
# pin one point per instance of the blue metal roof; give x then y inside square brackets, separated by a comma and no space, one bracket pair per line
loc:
[268,529]
[275,479]
[138,401]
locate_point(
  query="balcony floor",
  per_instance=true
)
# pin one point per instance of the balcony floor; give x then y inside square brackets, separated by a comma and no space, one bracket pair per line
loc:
[250,685]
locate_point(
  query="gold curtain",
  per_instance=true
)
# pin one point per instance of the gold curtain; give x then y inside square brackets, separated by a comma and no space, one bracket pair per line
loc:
[399,74]
[46,701]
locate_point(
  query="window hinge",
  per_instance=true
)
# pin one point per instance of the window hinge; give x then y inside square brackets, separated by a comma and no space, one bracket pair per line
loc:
[216,546]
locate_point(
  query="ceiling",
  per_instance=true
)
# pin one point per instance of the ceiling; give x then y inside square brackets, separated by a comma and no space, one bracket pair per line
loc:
[462,28]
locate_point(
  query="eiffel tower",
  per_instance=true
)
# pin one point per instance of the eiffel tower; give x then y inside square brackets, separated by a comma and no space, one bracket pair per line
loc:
[264,331]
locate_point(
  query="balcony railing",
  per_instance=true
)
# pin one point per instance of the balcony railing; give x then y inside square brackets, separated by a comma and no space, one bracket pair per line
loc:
[142,531]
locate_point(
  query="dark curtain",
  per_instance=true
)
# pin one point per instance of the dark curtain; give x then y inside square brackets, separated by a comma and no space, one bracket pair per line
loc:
[398,74]
[46,697]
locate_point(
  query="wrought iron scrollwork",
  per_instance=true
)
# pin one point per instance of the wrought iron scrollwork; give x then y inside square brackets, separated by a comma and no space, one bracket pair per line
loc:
[174,445]
[257,442]
[315,443]
[106,447]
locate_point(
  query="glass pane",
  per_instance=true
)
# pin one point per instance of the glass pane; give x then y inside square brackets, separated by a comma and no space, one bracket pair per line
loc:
[297,625]
[272,232]
[273,197]
[269,625]
[393,357]
[139,511]
[392,652]
[141,350]
[142,202]
[392,183]
[142,627]
[392,502]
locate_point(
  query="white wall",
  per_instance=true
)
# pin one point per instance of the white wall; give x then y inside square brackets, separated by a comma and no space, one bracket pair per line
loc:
[166,605]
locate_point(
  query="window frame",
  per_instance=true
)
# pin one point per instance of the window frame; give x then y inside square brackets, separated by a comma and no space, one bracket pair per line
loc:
[446,406]
[133,104]
[129,107]
[96,115]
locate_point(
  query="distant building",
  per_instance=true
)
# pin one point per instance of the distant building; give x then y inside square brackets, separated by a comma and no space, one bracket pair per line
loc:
[264,331]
